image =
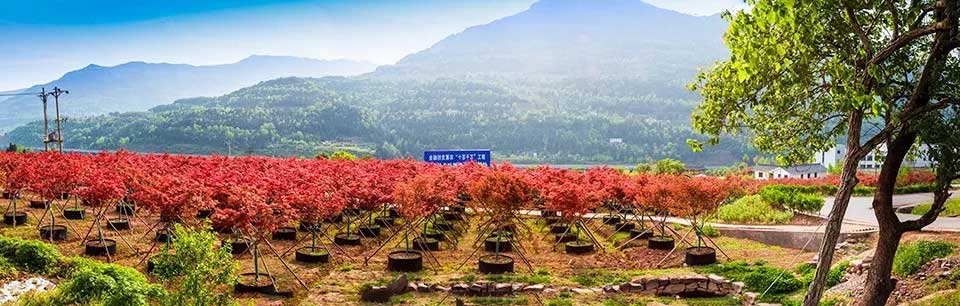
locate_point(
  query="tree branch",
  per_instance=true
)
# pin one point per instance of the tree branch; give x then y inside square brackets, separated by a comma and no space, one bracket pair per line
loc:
[939,199]
[858,29]
[905,39]
[920,17]
[895,16]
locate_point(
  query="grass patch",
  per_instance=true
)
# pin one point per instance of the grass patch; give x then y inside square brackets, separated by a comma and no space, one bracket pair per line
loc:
[912,256]
[757,276]
[752,210]
[807,271]
[539,276]
[559,302]
[951,208]
[499,301]
[946,298]
[628,300]
[600,277]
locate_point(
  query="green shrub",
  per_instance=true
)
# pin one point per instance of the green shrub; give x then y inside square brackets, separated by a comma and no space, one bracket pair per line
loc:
[948,298]
[598,277]
[912,256]
[834,300]
[837,272]
[202,272]
[9,246]
[30,255]
[36,257]
[915,188]
[752,209]
[93,282]
[709,231]
[782,281]
[560,302]
[757,276]
[35,298]
[7,270]
[807,271]
[863,190]
[798,198]
[804,268]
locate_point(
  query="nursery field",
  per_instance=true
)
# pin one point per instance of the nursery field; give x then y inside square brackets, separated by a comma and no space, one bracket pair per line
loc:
[330,231]
[340,280]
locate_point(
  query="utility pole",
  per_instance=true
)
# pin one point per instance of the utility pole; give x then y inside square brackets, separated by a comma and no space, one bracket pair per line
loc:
[56,100]
[46,129]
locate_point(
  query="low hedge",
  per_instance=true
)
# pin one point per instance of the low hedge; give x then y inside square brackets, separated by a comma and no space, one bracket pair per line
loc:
[752,210]
[912,256]
[83,281]
[93,282]
[792,197]
[757,276]
[30,255]
[834,277]
[859,190]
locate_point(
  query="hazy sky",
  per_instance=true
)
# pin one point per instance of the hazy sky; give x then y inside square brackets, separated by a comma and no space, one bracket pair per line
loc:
[43,39]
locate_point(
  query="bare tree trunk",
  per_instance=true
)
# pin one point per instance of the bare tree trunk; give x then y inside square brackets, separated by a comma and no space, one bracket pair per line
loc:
[848,180]
[879,285]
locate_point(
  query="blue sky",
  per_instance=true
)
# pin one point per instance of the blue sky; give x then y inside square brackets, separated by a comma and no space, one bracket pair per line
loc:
[42,39]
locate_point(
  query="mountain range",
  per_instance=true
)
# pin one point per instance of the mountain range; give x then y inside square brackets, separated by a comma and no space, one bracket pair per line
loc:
[138,86]
[566,81]
[562,39]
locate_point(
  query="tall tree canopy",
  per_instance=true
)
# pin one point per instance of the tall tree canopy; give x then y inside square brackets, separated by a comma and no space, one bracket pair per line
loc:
[802,74]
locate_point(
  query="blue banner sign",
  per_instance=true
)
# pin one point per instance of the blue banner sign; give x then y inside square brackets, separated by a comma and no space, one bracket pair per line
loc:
[456,157]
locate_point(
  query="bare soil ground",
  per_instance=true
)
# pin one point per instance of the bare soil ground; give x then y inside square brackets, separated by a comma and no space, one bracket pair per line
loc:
[338,282]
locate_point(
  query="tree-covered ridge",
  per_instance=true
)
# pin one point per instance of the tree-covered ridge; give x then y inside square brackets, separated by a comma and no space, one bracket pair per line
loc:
[138,86]
[391,118]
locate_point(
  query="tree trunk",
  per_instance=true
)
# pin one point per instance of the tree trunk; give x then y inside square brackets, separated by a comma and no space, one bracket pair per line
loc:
[848,180]
[879,285]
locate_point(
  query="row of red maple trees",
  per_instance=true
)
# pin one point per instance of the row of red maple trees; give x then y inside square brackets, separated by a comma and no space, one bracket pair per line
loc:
[260,193]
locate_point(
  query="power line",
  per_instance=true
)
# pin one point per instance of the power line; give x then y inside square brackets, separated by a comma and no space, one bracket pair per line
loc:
[20,94]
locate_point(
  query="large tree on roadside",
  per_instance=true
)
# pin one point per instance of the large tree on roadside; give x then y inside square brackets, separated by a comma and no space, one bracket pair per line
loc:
[802,74]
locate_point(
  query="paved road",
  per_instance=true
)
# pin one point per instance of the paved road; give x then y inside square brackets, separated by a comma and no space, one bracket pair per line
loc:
[860,210]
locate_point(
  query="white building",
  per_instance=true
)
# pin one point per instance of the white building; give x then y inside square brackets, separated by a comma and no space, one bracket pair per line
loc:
[874,159]
[805,171]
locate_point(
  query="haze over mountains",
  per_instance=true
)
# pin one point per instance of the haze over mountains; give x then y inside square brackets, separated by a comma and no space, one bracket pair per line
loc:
[567,81]
[138,86]
[558,39]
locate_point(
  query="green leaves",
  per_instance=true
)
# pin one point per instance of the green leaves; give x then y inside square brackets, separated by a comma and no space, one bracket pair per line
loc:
[797,70]
[199,272]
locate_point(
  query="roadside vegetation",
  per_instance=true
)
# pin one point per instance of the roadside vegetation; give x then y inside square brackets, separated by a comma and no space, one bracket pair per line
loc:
[950,209]
[752,209]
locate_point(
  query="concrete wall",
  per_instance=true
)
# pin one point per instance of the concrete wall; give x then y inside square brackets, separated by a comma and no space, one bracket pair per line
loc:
[793,240]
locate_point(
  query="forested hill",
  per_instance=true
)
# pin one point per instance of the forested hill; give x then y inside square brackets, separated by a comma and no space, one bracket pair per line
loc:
[137,86]
[567,81]
[575,39]
[297,116]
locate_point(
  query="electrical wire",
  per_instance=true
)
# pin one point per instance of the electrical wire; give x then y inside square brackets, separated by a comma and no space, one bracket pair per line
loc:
[20,94]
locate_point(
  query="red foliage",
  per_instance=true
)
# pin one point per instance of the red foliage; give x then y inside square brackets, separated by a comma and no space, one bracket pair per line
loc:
[263,193]
[698,196]
[501,190]
[571,192]
[425,193]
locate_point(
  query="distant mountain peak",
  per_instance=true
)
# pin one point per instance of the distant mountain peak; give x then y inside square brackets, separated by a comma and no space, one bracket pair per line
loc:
[139,86]
[557,39]
[632,5]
